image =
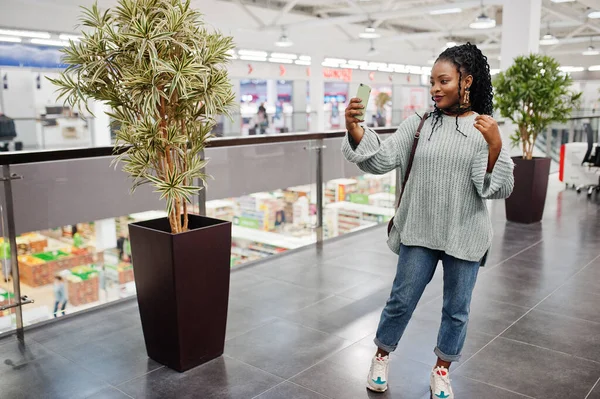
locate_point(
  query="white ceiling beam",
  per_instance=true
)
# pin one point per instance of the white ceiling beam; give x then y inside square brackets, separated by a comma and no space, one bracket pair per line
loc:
[566,14]
[287,8]
[385,15]
[249,12]
[571,40]
[570,35]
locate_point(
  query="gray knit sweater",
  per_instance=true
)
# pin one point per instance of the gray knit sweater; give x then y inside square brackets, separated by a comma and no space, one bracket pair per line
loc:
[443,207]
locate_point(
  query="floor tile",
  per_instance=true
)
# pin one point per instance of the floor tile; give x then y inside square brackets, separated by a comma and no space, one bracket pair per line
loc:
[14,355]
[288,390]
[326,278]
[570,301]
[277,298]
[344,376]
[241,319]
[595,393]
[466,388]
[221,378]
[561,333]
[369,261]
[283,348]
[118,357]
[109,393]
[51,376]
[528,369]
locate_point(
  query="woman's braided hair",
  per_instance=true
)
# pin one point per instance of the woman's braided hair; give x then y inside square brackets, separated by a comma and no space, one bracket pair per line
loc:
[469,60]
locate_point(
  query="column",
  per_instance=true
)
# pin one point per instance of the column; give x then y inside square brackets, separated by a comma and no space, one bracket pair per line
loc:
[106,234]
[234,128]
[397,104]
[521,20]
[299,118]
[100,125]
[317,95]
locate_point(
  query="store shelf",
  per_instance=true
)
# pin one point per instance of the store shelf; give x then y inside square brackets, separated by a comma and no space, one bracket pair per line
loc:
[273,239]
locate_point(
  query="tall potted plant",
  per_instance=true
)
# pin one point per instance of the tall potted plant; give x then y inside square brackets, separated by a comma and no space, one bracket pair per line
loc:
[163,74]
[532,93]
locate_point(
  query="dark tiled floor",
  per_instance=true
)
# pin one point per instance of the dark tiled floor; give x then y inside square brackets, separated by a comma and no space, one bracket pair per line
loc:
[301,327]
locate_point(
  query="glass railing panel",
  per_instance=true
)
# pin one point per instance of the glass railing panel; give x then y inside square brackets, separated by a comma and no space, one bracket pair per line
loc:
[7,296]
[268,192]
[354,200]
[71,220]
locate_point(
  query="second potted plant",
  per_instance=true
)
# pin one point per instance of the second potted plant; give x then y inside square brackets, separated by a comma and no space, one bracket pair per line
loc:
[532,93]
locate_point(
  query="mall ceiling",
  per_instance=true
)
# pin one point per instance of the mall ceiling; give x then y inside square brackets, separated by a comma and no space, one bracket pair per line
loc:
[410,31]
[424,26]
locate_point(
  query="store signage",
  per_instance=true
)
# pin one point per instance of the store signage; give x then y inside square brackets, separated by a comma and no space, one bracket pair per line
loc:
[250,69]
[334,73]
[281,70]
[372,76]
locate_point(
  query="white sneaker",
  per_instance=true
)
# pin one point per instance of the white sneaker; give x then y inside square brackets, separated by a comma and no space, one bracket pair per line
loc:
[440,384]
[378,375]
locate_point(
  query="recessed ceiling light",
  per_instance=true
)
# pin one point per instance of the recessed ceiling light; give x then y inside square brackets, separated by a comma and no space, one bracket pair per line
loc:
[591,51]
[594,68]
[25,33]
[67,37]
[563,1]
[571,69]
[10,39]
[253,53]
[287,56]
[46,42]
[446,11]
[594,15]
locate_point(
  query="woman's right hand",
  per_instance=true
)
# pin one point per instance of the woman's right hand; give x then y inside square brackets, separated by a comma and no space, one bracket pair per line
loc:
[354,109]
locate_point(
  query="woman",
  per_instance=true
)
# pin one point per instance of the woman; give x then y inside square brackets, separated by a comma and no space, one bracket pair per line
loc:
[459,163]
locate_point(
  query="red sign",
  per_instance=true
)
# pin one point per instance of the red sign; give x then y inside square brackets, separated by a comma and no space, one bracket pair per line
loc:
[334,73]
[250,69]
[281,70]
[372,75]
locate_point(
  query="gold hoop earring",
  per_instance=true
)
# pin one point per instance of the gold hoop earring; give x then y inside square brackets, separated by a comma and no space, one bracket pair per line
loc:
[467,98]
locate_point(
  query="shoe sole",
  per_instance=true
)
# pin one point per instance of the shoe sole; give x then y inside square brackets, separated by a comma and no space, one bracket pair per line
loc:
[372,389]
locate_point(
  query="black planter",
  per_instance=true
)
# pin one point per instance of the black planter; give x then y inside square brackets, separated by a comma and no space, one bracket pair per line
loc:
[526,204]
[182,283]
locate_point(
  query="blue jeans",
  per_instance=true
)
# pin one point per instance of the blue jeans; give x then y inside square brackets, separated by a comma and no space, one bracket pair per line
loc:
[416,267]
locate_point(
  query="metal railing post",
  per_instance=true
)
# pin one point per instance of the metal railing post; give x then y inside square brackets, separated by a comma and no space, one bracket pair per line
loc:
[319,150]
[12,237]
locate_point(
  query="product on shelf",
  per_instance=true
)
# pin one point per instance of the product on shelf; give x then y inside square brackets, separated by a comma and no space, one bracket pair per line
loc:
[39,269]
[220,209]
[125,271]
[83,285]
[345,217]
[261,211]
[338,190]
[30,243]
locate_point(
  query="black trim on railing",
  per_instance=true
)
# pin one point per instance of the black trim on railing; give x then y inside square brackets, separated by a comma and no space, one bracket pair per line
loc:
[21,157]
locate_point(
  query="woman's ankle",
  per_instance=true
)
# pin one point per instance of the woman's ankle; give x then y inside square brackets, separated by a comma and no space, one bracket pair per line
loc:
[382,353]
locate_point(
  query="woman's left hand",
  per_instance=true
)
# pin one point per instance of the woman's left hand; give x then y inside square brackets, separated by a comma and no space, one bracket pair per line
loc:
[489,129]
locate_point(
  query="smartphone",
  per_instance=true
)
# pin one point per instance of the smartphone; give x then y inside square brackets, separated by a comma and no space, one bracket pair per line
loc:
[363,93]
